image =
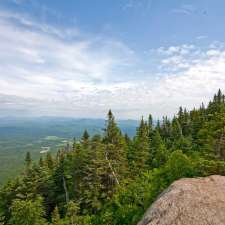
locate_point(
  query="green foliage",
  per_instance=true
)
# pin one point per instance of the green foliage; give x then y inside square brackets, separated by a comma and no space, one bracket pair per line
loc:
[112,178]
[158,152]
[139,153]
[56,217]
[21,135]
[133,198]
[28,160]
[27,212]
[72,213]
[178,165]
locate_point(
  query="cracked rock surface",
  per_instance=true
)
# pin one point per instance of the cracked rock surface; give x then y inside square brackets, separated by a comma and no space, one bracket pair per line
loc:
[189,201]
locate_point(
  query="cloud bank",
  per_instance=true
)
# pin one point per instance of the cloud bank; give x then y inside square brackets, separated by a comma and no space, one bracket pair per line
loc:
[52,71]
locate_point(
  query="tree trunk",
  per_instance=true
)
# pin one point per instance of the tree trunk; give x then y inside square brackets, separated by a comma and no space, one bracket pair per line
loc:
[111,168]
[65,189]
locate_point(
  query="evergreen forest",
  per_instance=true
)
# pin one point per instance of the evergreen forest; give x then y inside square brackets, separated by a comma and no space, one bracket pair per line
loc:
[111,178]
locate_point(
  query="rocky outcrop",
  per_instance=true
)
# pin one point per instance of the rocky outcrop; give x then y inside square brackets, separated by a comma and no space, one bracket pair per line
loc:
[189,201]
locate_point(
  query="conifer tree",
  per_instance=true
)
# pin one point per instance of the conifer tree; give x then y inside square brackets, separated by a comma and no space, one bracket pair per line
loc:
[56,217]
[217,105]
[166,129]
[158,152]
[141,153]
[61,175]
[41,162]
[150,122]
[94,171]
[27,212]
[158,127]
[85,139]
[176,129]
[28,160]
[49,161]
[72,213]
[116,149]
[127,139]
[85,136]
[150,127]
[74,144]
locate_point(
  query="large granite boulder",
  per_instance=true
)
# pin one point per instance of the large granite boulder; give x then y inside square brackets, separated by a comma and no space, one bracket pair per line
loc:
[189,201]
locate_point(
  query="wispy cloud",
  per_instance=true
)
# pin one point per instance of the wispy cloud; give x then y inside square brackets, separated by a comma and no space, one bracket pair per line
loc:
[201,37]
[185,9]
[48,64]
[141,4]
[48,70]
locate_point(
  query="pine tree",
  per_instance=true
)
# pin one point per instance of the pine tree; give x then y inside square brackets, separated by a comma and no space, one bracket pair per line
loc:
[41,162]
[85,139]
[176,129]
[116,149]
[56,217]
[94,172]
[127,139]
[72,213]
[166,130]
[112,132]
[85,136]
[150,122]
[61,177]
[141,153]
[217,105]
[49,161]
[158,152]
[180,114]
[28,160]
[74,144]
[158,127]
[27,212]
[150,127]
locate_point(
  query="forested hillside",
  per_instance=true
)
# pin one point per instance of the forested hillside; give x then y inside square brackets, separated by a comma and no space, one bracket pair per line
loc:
[111,178]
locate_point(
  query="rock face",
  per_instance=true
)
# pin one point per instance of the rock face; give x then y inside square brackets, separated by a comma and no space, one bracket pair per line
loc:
[189,201]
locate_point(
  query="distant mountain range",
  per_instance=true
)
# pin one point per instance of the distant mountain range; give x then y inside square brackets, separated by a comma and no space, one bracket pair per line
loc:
[58,126]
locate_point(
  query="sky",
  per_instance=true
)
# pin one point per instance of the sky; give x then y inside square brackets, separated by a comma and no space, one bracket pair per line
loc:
[80,58]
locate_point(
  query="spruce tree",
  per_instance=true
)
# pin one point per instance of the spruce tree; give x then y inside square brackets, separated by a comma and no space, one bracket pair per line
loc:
[85,139]
[72,213]
[41,162]
[141,153]
[28,160]
[95,171]
[49,161]
[158,152]
[56,217]
[150,127]
[74,144]
[115,150]
[27,212]
[176,129]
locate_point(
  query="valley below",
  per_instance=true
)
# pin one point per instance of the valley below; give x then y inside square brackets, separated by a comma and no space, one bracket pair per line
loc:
[36,135]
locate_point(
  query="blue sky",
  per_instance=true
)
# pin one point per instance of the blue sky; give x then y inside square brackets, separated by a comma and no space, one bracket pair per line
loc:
[79,58]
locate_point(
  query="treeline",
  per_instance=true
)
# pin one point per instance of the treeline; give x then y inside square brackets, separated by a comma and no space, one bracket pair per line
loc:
[112,179]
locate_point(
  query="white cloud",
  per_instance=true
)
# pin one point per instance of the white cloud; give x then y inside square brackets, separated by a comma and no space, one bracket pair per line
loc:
[185,9]
[47,70]
[201,37]
[47,65]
